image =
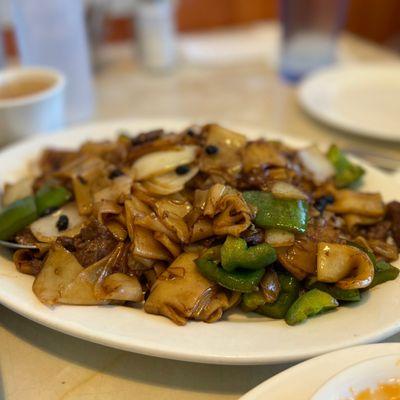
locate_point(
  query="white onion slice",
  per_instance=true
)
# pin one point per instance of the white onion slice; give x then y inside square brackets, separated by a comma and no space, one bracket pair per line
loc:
[335,262]
[317,164]
[170,182]
[161,162]
[284,190]
[45,228]
[279,238]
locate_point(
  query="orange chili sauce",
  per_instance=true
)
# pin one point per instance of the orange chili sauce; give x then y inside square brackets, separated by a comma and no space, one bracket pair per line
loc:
[384,391]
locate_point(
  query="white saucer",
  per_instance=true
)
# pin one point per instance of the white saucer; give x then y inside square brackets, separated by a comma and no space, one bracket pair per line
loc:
[361,98]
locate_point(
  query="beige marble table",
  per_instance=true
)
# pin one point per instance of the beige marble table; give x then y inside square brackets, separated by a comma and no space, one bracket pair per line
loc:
[38,363]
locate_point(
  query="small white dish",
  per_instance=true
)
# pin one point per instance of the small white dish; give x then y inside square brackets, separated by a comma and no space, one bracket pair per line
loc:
[361,98]
[361,376]
[36,111]
[337,369]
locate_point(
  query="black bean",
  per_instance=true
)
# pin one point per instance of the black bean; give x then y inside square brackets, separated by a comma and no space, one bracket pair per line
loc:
[211,149]
[115,173]
[182,169]
[321,203]
[62,223]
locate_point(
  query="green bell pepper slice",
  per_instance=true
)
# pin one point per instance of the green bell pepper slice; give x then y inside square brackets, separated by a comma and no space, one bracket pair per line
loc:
[370,254]
[384,272]
[347,173]
[278,213]
[239,281]
[251,301]
[290,288]
[17,216]
[235,254]
[23,212]
[309,304]
[337,293]
[51,197]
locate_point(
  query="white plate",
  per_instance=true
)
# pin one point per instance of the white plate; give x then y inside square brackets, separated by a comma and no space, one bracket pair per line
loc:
[364,99]
[236,340]
[302,381]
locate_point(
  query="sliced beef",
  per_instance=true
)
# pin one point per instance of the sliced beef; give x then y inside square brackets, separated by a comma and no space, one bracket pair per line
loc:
[253,235]
[25,237]
[52,160]
[393,214]
[93,242]
[146,137]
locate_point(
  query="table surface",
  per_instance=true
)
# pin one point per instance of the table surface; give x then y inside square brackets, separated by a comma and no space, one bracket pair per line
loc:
[38,363]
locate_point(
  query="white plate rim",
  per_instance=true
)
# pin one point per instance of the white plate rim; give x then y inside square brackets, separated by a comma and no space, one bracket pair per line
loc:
[143,347]
[310,83]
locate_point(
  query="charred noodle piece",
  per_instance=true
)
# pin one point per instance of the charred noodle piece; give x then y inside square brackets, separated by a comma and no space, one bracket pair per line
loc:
[226,160]
[83,195]
[347,173]
[300,259]
[383,249]
[261,154]
[181,293]
[229,212]
[235,254]
[97,284]
[308,305]
[353,221]
[278,213]
[59,270]
[351,202]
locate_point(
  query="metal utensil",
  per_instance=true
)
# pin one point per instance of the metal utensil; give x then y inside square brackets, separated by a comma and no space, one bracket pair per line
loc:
[12,245]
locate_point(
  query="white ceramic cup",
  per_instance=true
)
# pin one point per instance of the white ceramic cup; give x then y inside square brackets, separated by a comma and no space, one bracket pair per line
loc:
[38,112]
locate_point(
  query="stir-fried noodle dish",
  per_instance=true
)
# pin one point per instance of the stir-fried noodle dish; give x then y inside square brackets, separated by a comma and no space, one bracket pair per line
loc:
[188,225]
